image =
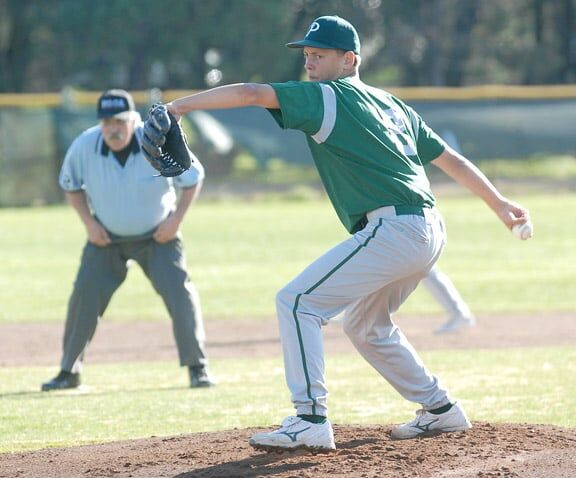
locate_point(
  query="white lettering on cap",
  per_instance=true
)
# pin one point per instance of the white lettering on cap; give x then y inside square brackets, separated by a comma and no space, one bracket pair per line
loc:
[314,27]
[109,103]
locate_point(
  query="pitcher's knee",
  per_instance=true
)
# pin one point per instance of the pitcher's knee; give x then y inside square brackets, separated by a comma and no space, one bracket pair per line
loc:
[378,337]
[290,304]
[354,333]
[285,299]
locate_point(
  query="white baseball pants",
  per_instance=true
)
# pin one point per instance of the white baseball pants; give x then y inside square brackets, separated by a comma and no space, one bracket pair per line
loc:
[368,276]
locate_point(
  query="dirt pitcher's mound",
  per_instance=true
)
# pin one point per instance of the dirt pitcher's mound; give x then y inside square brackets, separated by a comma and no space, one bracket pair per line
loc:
[363,451]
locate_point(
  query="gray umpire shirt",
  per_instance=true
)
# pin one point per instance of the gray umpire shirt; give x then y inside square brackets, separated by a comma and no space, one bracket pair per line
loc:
[129,200]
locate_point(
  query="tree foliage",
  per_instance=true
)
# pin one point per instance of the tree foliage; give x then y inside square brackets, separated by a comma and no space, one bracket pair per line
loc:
[47,45]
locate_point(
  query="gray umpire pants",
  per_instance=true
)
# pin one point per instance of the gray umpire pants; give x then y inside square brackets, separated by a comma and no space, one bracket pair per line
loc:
[103,269]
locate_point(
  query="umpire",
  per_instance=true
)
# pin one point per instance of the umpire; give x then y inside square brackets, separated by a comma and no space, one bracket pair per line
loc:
[129,213]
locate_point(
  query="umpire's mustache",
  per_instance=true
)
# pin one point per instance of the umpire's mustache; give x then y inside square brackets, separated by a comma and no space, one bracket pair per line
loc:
[116,136]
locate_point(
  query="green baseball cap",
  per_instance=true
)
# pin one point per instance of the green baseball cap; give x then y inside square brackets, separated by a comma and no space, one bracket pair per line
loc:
[330,32]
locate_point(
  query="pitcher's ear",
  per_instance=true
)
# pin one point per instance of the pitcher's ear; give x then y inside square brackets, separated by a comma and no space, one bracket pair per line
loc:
[349,58]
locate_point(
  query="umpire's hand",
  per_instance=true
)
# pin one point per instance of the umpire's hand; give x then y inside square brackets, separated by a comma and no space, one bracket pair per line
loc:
[97,235]
[167,230]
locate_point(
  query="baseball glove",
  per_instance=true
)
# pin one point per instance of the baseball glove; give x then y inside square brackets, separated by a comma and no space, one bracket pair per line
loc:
[164,143]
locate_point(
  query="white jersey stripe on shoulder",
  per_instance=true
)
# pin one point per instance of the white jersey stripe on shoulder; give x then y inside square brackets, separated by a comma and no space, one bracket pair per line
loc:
[329,119]
[415,129]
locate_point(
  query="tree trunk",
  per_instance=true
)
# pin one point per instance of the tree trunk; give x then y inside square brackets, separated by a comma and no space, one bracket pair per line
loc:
[465,20]
[568,33]
[14,55]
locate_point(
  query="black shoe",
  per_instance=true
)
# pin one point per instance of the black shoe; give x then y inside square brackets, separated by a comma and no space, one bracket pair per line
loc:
[62,381]
[199,377]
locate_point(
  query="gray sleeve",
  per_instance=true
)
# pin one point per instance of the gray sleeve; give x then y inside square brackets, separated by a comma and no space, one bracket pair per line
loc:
[191,177]
[71,174]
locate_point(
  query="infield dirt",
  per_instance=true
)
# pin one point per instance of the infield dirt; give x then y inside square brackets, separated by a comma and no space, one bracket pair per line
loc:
[488,450]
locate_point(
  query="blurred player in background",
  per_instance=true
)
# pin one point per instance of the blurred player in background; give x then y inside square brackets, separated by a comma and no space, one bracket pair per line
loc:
[445,293]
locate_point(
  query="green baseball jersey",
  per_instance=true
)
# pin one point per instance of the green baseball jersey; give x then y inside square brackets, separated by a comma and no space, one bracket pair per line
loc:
[369,147]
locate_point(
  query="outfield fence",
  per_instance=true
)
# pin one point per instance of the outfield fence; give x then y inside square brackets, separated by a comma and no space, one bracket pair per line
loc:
[484,122]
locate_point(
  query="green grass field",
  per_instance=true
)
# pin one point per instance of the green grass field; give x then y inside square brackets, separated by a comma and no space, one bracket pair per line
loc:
[239,254]
[520,386]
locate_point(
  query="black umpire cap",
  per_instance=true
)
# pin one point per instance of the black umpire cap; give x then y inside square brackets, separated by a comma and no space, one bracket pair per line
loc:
[116,103]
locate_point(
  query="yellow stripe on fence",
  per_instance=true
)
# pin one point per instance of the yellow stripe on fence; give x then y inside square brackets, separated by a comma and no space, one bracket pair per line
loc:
[485,92]
[81,97]
[482,92]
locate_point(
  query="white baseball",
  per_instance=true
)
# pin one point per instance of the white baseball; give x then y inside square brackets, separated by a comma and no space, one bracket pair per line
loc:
[523,231]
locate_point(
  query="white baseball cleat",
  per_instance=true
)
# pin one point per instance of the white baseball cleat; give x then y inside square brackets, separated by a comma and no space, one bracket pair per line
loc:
[294,434]
[428,424]
[456,323]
